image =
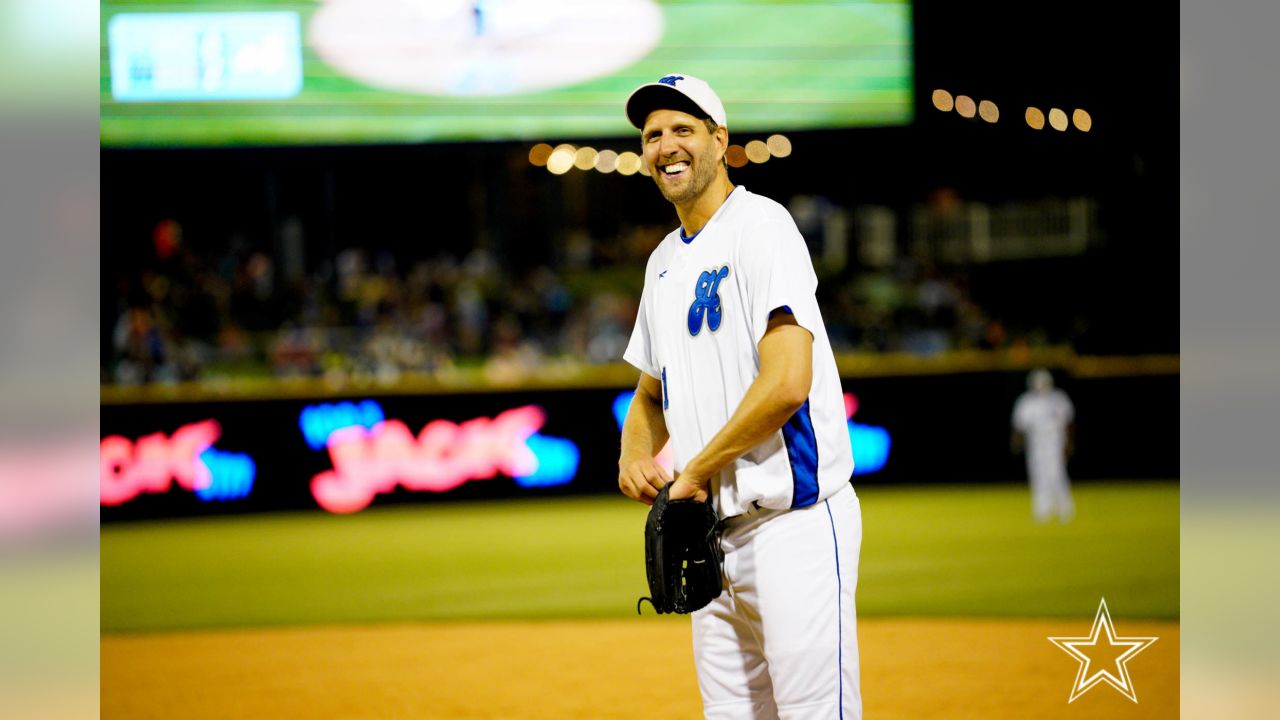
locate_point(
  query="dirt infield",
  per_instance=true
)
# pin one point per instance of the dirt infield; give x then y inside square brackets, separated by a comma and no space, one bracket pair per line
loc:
[911,668]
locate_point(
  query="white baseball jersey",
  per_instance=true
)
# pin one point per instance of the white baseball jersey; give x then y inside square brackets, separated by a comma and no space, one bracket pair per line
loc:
[705,307]
[1043,417]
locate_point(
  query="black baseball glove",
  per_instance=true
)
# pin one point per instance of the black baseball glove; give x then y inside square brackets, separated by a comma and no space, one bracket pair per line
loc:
[682,555]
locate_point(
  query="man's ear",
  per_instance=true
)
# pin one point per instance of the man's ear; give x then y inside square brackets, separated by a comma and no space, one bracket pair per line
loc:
[722,139]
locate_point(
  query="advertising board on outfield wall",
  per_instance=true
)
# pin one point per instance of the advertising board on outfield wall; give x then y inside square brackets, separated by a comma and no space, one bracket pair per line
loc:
[346,454]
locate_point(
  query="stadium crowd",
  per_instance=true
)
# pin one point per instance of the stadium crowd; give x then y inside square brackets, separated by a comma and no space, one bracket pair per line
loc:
[186,314]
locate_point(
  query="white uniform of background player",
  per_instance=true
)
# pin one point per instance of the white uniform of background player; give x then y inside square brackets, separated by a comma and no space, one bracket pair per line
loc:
[1043,415]
[781,640]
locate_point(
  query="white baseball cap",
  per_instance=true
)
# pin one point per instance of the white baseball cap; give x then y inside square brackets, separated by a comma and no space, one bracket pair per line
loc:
[1039,379]
[674,92]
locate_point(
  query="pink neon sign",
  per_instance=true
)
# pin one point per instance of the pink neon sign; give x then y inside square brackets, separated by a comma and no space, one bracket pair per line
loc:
[444,455]
[155,462]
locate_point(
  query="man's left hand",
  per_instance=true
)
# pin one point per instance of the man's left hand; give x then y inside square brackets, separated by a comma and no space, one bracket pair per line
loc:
[685,487]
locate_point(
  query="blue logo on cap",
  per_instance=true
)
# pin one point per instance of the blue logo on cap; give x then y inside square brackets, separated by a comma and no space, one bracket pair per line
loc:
[671,80]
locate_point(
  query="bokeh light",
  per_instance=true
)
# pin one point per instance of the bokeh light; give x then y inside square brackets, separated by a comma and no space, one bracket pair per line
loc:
[561,159]
[779,146]
[1057,119]
[1083,121]
[988,111]
[943,100]
[757,151]
[628,163]
[585,158]
[736,156]
[965,106]
[1035,118]
[607,161]
[539,153]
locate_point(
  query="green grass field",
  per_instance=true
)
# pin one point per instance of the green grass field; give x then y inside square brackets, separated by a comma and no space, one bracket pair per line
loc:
[935,551]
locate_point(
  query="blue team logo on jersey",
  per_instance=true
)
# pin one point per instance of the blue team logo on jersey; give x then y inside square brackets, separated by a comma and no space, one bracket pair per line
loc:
[670,80]
[706,300]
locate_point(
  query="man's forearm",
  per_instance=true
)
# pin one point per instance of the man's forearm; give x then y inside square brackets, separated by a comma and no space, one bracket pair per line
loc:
[766,407]
[644,432]
[781,388]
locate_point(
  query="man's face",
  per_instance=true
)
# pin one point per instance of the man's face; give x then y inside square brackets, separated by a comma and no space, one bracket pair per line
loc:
[681,154]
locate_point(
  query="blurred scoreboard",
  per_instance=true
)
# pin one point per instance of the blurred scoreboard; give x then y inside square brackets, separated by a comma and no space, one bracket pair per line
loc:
[278,72]
[171,57]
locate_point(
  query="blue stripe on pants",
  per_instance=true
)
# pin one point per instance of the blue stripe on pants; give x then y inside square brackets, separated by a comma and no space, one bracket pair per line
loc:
[835,540]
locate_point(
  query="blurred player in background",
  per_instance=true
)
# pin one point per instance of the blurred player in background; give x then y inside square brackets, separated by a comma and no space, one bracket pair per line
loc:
[1043,420]
[738,372]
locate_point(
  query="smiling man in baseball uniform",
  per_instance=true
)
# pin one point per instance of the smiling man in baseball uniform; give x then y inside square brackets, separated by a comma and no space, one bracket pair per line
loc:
[737,371]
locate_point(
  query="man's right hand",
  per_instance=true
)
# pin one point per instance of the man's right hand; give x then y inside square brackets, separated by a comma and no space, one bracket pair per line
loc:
[641,479]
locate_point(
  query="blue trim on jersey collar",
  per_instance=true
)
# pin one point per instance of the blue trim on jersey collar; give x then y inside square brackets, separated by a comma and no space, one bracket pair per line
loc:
[687,240]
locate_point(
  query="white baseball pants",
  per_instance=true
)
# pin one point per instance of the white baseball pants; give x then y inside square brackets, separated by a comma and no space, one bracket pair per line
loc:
[781,641]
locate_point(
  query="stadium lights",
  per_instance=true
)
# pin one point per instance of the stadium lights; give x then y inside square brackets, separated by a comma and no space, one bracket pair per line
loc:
[943,100]
[539,153]
[779,146]
[628,163]
[1082,120]
[988,111]
[561,159]
[607,161]
[1057,119]
[757,152]
[1035,118]
[585,158]
[966,107]
[565,157]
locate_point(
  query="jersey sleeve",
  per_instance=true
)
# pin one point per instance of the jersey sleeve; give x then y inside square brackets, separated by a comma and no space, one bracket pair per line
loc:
[779,274]
[1068,410]
[639,350]
[1021,419]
